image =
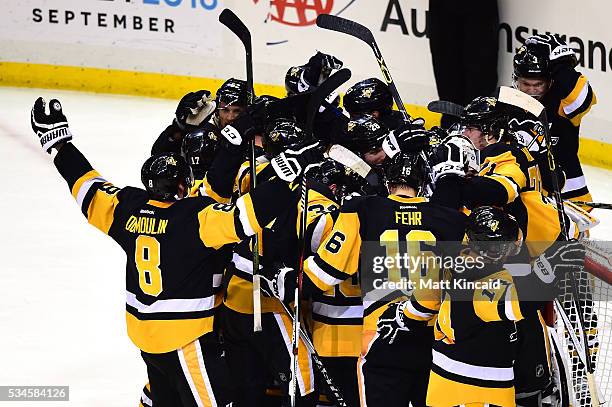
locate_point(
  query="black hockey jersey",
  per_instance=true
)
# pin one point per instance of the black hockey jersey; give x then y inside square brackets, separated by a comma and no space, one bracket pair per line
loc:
[175,250]
[380,226]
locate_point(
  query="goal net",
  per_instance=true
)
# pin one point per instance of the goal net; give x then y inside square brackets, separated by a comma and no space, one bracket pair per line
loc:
[594,287]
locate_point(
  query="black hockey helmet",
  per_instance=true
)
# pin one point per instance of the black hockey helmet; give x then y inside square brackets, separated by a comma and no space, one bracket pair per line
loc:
[531,61]
[281,134]
[199,148]
[161,175]
[232,92]
[484,114]
[366,133]
[405,169]
[368,95]
[295,82]
[493,234]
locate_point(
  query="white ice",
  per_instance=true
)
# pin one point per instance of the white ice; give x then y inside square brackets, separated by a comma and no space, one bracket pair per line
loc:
[62,298]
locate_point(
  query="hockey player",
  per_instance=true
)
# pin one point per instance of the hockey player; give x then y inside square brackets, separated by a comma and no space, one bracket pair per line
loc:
[231,101]
[391,371]
[373,97]
[337,314]
[508,177]
[175,249]
[199,149]
[544,67]
[249,352]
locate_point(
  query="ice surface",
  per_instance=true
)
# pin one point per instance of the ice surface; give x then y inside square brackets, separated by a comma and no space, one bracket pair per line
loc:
[62,297]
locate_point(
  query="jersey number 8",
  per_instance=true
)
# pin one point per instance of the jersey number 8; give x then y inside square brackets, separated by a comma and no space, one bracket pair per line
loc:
[147,262]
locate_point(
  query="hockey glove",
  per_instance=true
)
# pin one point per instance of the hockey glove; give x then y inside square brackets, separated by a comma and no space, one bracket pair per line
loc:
[392,321]
[455,156]
[281,285]
[50,128]
[558,50]
[560,258]
[408,138]
[246,126]
[320,67]
[194,109]
[293,162]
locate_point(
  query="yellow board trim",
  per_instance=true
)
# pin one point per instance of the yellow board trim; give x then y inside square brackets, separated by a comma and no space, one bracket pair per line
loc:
[159,85]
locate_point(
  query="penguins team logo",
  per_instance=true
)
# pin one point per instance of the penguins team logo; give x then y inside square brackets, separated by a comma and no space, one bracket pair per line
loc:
[494,225]
[367,92]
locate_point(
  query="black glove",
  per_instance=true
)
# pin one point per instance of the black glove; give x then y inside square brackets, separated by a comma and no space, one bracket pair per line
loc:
[295,161]
[194,109]
[246,126]
[408,138]
[50,128]
[560,258]
[456,155]
[281,284]
[392,321]
[320,67]
[557,49]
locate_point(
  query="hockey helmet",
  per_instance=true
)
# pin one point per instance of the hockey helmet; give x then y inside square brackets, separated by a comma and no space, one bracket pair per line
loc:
[493,234]
[232,92]
[405,169]
[368,95]
[531,61]
[199,148]
[483,113]
[366,133]
[161,175]
[281,134]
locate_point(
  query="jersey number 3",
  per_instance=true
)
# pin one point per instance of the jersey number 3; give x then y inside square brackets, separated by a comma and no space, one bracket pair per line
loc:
[147,263]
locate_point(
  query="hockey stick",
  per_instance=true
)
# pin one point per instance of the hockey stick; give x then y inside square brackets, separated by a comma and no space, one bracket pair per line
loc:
[354,29]
[314,103]
[231,21]
[445,107]
[339,24]
[594,205]
[516,98]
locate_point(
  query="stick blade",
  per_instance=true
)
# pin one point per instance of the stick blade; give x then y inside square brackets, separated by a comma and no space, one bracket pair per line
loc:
[339,24]
[445,107]
[229,19]
[516,98]
[323,91]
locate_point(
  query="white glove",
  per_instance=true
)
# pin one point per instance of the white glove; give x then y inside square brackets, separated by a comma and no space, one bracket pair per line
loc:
[291,163]
[456,155]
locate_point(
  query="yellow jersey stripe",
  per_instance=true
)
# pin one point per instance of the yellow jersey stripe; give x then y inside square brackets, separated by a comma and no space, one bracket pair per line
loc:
[190,362]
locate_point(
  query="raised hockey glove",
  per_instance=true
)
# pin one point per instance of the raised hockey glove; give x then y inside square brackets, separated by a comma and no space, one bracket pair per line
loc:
[392,321]
[557,48]
[408,138]
[281,284]
[293,162]
[455,156]
[320,67]
[50,128]
[194,109]
[560,258]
